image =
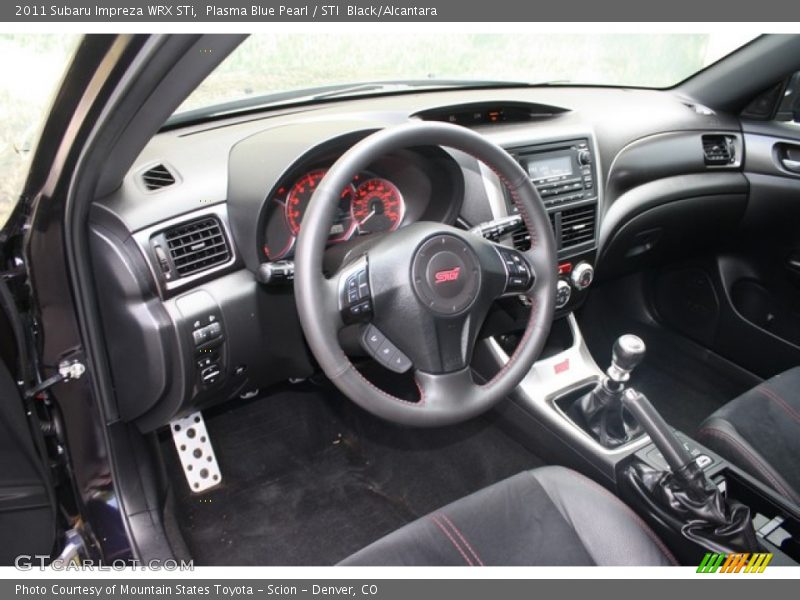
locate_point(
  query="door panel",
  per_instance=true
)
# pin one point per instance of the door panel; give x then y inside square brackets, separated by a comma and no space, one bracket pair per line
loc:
[760,277]
[27,515]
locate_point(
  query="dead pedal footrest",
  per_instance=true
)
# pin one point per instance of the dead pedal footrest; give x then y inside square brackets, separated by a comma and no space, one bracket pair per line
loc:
[195,452]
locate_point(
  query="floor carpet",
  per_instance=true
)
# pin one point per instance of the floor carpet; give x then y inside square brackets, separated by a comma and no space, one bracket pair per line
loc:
[308,479]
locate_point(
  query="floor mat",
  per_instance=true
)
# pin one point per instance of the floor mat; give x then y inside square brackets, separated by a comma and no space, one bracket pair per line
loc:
[685,382]
[308,479]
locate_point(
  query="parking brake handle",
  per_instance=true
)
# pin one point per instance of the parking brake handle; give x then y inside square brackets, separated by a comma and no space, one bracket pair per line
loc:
[661,435]
[684,494]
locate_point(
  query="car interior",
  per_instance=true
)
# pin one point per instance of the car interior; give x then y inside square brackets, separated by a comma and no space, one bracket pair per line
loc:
[503,325]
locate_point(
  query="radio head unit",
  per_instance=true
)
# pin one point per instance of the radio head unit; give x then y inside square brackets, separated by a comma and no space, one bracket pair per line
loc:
[563,172]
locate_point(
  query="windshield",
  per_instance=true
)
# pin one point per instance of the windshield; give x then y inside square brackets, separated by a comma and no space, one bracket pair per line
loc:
[266,64]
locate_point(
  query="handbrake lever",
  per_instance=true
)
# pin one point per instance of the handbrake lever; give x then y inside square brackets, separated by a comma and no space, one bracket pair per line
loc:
[707,517]
[661,435]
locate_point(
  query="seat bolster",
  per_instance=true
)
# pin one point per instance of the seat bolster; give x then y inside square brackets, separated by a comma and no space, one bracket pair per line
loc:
[611,531]
[721,435]
[548,516]
[759,432]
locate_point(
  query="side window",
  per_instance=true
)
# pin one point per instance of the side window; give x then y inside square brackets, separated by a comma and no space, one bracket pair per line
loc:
[24,102]
[789,109]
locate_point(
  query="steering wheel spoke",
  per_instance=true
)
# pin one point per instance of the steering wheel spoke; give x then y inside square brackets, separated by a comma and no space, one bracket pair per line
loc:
[447,391]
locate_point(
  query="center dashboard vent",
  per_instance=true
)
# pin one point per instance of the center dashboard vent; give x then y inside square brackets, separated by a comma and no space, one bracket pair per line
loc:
[158,177]
[522,239]
[718,150]
[577,226]
[193,247]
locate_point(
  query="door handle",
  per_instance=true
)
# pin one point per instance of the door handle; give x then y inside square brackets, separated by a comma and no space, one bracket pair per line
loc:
[791,165]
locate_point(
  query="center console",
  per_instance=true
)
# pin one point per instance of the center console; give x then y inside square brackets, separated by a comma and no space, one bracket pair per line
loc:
[565,173]
[540,403]
[775,521]
[695,500]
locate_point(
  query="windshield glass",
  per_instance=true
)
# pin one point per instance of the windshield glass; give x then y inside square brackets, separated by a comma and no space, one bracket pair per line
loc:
[266,64]
[31,69]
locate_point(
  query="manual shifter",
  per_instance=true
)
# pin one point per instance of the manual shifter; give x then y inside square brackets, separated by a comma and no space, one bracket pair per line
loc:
[601,412]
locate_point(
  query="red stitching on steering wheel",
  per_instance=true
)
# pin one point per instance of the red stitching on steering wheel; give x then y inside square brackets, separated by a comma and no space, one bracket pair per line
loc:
[526,217]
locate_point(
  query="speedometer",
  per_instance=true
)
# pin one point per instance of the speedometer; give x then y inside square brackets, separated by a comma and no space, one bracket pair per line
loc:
[377,206]
[300,195]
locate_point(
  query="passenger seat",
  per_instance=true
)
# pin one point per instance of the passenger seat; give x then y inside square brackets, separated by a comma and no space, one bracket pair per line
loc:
[760,433]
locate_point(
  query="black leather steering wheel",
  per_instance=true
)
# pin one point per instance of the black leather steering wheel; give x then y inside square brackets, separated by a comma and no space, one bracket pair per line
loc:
[425,289]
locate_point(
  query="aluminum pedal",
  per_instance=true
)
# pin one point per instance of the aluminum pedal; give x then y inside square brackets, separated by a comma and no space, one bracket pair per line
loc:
[195,452]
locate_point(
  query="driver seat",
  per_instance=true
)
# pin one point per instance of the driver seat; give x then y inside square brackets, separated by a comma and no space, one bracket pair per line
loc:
[547,516]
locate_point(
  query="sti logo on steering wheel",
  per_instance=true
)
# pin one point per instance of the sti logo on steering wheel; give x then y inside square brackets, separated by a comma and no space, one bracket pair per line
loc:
[447,275]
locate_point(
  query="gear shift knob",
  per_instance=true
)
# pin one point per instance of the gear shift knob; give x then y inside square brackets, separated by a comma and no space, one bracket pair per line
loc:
[627,353]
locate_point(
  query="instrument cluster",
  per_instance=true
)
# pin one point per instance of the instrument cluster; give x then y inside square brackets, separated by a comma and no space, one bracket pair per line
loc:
[397,189]
[369,204]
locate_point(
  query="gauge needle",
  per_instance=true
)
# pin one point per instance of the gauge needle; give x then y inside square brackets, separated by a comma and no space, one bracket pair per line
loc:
[367,218]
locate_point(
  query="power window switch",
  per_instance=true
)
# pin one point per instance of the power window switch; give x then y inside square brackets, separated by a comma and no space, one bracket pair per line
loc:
[200,336]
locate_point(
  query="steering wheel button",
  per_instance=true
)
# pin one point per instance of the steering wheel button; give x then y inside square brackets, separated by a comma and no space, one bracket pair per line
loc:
[352,296]
[399,363]
[373,338]
[358,310]
[386,351]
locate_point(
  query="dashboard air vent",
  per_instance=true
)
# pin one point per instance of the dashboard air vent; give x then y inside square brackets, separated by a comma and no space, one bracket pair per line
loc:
[522,239]
[157,177]
[577,226]
[718,150]
[197,245]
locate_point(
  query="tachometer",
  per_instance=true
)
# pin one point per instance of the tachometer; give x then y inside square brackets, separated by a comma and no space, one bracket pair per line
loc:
[377,206]
[299,196]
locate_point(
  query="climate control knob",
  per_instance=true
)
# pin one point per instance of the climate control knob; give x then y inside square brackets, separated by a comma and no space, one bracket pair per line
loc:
[563,293]
[584,158]
[582,275]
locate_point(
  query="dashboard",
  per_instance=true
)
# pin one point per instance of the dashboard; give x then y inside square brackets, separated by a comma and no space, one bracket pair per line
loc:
[181,247]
